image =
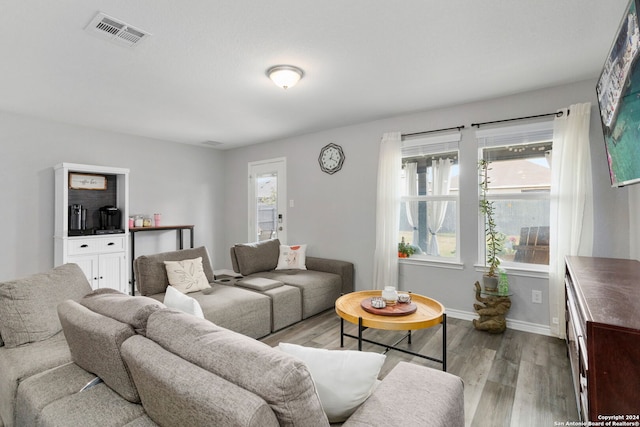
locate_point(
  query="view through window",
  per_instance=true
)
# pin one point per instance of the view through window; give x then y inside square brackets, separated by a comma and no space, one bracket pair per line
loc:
[519,185]
[429,203]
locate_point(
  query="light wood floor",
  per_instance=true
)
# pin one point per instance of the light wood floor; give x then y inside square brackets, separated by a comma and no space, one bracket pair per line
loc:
[512,379]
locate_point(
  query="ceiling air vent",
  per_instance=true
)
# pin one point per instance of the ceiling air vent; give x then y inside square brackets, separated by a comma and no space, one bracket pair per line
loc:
[106,27]
[212,143]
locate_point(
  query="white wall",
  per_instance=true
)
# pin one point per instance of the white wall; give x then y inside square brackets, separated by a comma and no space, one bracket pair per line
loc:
[335,214]
[182,182]
[634,221]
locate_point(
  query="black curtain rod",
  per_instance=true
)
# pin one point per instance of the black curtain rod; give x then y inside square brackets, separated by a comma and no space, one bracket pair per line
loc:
[405,135]
[557,114]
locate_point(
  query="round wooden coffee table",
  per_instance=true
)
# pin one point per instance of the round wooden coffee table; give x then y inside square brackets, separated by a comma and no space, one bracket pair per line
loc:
[429,313]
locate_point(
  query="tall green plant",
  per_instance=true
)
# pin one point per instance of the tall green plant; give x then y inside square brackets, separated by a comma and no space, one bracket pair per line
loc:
[493,238]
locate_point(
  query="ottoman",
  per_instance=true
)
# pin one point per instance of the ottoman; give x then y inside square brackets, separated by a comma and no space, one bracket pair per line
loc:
[286,301]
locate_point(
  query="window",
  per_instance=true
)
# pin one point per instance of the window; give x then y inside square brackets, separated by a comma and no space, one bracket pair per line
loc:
[519,182]
[429,202]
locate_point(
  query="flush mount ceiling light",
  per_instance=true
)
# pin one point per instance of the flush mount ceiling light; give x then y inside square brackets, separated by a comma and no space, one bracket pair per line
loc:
[285,76]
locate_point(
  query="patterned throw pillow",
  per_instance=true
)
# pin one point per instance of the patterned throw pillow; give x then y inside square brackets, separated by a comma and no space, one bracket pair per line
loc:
[292,257]
[187,275]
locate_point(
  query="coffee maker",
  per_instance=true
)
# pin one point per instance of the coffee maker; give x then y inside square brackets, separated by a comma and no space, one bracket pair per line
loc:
[77,220]
[110,220]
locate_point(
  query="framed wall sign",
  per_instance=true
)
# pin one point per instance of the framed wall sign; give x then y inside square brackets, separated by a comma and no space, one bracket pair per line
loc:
[81,181]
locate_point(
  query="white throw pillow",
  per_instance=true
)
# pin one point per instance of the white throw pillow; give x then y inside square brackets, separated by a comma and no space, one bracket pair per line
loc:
[176,299]
[187,275]
[292,257]
[344,378]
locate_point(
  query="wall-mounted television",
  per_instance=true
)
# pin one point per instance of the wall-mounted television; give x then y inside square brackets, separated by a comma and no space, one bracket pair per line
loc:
[618,91]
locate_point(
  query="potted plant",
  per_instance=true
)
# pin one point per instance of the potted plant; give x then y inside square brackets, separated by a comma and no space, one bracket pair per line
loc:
[405,250]
[493,237]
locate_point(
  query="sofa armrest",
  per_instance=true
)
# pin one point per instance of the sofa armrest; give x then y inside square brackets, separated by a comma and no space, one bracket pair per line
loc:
[413,395]
[342,268]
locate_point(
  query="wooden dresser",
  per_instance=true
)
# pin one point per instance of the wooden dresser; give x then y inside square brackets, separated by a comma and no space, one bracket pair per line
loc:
[603,335]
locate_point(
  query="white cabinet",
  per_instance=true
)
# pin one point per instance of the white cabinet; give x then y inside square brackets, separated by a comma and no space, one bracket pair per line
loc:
[101,254]
[102,259]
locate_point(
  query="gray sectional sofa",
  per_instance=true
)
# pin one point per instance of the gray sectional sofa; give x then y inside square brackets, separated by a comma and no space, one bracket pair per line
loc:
[231,307]
[323,281]
[249,306]
[112,359]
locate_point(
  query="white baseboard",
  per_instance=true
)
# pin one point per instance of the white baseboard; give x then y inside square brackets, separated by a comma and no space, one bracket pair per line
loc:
[517,325]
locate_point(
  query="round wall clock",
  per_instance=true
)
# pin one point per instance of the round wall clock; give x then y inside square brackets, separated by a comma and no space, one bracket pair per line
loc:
[331,158]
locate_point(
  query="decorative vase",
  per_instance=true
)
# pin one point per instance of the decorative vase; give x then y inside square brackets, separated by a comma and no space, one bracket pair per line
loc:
[503,283]
[490,283]
[390,295]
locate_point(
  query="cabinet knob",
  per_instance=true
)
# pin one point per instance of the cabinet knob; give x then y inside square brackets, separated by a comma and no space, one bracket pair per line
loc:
[84,246]
[110,244]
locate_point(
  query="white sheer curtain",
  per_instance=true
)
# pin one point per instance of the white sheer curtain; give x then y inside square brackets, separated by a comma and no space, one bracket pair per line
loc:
[385,262]
[437,209]
[571,221]
[411,189]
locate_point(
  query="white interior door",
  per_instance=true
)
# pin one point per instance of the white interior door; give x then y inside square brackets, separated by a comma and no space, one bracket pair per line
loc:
[267,200]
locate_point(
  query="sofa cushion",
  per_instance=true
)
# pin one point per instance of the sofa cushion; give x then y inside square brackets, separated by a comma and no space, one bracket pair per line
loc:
[142,421]
[119,306]
[187,275]
[283,381]
[423,396]
[94,341]
[37,391]
[292,257]
[96,406]
[28,305]
[231,307]
[175,392]
[320,290]
[173,298]
[258,283]
[259,256]
[151,274]
[240,310]
[19,363]
[344,378]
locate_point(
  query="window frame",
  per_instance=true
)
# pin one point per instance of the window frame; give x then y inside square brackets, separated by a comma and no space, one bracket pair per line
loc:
[512,136]
[432,146]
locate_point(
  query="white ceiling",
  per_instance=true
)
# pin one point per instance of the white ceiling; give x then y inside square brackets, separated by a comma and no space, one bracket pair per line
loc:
[201,76]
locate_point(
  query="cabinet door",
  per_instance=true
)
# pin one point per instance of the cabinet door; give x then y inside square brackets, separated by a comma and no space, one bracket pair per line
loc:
[89,265]
[113,270]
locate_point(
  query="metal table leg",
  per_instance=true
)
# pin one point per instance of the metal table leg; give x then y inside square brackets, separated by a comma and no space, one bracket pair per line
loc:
[388,347]
[444,342]
[133,255]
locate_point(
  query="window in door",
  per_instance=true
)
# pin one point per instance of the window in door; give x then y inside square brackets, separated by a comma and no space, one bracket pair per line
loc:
[267,200]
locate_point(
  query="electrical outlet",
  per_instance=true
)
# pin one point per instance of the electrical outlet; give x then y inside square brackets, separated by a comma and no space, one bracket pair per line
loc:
[536,297]
[554,320]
